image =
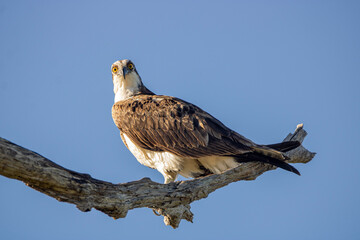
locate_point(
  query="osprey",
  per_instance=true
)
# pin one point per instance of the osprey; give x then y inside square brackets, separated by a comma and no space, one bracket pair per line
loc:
[176,137]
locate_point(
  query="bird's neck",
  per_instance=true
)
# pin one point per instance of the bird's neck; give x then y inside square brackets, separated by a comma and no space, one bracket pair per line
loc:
[129,87]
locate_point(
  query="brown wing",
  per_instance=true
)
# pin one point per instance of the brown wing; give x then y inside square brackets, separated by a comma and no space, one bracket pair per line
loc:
[162,123]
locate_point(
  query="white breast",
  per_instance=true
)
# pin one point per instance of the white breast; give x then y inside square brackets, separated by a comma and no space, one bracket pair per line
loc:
[166,163]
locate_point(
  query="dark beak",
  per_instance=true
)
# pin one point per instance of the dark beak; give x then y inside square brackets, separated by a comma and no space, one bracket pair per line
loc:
[125,71]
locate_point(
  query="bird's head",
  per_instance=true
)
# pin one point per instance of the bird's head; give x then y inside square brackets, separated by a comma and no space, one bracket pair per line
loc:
[126,79]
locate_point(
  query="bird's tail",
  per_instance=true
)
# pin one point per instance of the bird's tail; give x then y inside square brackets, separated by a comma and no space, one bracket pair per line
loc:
[263,156]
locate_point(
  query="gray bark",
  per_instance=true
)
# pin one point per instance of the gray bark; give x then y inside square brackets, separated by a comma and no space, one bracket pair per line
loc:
[170,200]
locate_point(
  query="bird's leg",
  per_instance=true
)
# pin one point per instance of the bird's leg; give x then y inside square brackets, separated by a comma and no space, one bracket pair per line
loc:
[169,176]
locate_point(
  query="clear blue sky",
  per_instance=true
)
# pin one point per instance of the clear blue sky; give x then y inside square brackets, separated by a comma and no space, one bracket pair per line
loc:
[261,67]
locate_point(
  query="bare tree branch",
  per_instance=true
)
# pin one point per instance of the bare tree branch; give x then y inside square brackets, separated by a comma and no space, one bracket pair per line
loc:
[170,200]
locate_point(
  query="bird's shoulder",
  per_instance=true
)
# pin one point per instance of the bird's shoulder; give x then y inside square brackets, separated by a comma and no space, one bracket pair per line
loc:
[156,106]
[142,103]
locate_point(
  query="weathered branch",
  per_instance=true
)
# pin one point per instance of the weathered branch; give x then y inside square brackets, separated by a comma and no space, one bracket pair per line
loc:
[170,200]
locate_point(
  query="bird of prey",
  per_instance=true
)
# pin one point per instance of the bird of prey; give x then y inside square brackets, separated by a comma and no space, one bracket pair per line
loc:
[176,137]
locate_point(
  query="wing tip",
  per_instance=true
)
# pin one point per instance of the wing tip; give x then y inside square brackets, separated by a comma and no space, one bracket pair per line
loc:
[284,146]
[288,167]
[294,170]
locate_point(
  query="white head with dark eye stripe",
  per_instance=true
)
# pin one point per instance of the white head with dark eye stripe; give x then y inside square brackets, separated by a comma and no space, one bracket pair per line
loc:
[127,81]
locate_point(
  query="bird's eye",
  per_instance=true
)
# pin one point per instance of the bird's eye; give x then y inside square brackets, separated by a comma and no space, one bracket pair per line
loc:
[130,66]
[115,69]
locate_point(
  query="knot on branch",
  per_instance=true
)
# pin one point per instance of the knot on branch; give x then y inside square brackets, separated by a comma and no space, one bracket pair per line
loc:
[115,212]
[84,207]
[173,216]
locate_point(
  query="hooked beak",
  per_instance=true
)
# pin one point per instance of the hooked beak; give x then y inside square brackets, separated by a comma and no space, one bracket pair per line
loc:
[125,71]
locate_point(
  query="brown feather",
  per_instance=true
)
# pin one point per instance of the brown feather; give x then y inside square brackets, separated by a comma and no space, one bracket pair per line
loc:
[163,123]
